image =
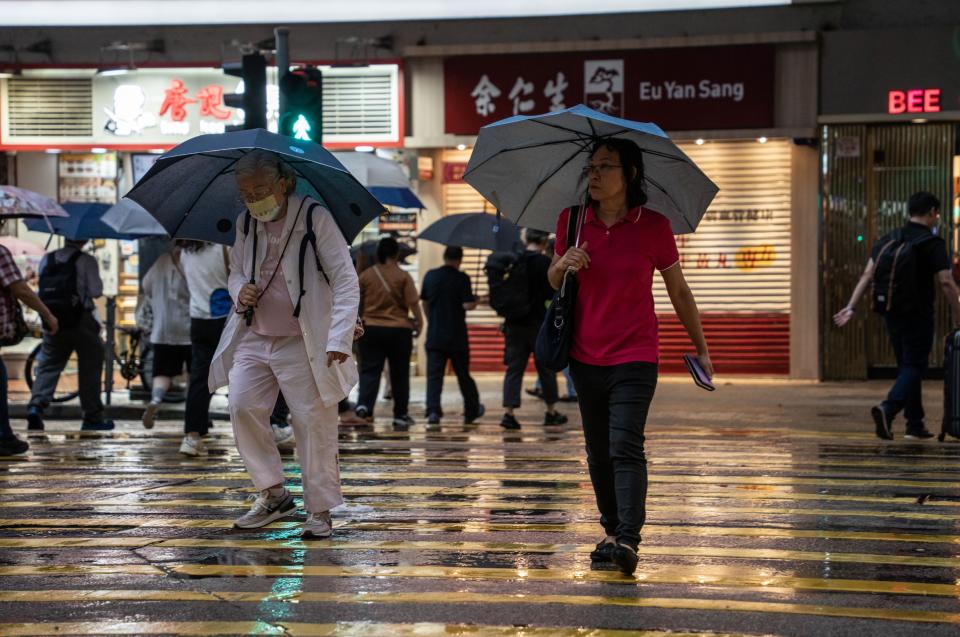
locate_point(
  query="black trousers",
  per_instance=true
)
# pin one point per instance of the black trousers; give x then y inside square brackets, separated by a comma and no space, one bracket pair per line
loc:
[912,338]
[436,367]
[519,341]
[204,338]
[84,339]
[614,401]
[379,344]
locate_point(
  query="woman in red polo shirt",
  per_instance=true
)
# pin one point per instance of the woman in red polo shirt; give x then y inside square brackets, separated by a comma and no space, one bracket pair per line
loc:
[614,354]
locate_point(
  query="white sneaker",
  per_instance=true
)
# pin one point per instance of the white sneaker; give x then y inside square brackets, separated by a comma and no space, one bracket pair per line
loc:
[150,414]
[266,510]
[317,526]
[192,446]
[283,436]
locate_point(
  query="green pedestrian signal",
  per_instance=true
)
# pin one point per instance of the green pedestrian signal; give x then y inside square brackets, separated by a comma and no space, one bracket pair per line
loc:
[302,116]
[301,128]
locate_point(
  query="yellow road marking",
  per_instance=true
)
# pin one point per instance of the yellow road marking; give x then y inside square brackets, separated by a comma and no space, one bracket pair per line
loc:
[476,547]
[703,575]
[453,597]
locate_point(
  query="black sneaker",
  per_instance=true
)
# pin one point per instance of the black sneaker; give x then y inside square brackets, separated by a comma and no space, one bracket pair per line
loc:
[103,425]
[469,419]
[882,422]
[433,418]
[603,552]
[554,418]
[402,423]
[362,412]
[625,558]
[12,446]
[34,419]
[918,433]
[536,393]
[509,422]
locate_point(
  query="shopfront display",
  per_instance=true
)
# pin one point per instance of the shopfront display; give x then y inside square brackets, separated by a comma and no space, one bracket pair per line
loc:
[88,177]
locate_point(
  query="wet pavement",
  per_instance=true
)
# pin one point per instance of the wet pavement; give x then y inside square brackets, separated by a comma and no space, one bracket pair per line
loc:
[766,517]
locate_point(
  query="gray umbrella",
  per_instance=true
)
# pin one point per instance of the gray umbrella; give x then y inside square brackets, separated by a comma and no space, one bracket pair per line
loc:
[474,230]
[192,192]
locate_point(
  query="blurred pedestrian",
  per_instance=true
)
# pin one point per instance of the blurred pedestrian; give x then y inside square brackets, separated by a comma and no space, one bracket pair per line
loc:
[614,354]
[267,346]
[537,391]
[902,268]
[14,289]
[205,267]
[69,283]
[388,297]
[447,297]
[520,335]
[165,289]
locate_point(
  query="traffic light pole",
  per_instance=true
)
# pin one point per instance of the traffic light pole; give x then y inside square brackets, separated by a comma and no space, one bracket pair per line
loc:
[282,38]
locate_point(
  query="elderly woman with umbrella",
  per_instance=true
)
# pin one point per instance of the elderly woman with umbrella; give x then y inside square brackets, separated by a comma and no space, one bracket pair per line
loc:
[295,291]
[640,190]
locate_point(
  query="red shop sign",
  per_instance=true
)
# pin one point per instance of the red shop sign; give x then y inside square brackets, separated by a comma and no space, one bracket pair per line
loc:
[704,88]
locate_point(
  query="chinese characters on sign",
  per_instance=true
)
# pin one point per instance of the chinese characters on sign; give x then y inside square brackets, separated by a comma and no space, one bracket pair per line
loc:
[679,89]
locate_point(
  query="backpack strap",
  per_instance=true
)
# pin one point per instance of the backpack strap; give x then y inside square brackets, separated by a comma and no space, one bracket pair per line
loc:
[309,240]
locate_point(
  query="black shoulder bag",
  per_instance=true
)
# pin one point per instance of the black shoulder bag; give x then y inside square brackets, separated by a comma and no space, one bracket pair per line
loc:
[552,349]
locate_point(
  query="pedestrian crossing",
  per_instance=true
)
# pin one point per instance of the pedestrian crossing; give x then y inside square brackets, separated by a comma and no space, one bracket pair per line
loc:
[476,531]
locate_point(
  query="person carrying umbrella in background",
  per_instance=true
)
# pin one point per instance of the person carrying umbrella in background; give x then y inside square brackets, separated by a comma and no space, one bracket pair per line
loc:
[388,295]
[165,289]
[268,346]
[69,283]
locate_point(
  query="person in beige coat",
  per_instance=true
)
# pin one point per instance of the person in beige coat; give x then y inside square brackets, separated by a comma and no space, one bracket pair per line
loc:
[268,346]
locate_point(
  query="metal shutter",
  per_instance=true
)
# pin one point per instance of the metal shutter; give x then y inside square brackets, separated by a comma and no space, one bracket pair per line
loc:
[361,104]
[49,107]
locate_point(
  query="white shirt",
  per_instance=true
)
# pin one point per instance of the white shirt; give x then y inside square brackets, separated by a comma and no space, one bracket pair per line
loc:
[206,273]
[166,290]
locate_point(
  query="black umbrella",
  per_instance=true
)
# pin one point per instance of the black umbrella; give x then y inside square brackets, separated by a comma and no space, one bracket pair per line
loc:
[474,230]
[368,250]
[192,192]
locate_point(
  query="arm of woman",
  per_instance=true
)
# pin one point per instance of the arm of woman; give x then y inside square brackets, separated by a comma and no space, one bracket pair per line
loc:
[685,305]
[244,294]
[335,257]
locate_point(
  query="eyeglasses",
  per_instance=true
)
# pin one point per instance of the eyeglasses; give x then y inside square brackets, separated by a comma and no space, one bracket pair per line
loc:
[599,169]
[258,193]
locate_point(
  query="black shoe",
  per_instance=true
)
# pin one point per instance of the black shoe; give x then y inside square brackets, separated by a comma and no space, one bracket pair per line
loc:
[918,433]
[536,393]
[625,558]
[603,552]
[12,446]
[103,425]
[34,419]
[469,419]
[362,412]
[433,419]
[509,422]
[882,422]
[554,418]
[402,423]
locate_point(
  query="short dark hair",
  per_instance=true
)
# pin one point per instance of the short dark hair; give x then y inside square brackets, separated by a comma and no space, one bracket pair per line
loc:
[922,203]
[631,158]
[453,253]
[539,237]
[388,248]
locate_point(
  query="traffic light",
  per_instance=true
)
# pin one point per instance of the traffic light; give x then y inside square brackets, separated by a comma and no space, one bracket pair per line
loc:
[253,69]
[302,116]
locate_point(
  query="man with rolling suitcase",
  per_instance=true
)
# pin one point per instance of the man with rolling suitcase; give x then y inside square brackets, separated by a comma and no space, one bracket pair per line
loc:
[902,269]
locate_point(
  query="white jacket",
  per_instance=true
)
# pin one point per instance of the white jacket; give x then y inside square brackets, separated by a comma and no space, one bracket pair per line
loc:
[328,312]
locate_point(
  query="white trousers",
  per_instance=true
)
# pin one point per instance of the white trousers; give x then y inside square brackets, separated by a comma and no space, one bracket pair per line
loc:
[262,367]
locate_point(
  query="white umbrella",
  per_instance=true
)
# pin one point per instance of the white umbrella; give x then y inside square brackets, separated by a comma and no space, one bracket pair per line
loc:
[129,217]
[382,177]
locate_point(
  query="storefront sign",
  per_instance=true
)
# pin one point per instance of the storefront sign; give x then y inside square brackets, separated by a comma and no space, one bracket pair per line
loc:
[679,89]
[162,106]
[914,101]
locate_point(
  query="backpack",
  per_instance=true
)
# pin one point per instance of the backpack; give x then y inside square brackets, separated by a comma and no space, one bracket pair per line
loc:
[58,290]
[895,274]
[509,285]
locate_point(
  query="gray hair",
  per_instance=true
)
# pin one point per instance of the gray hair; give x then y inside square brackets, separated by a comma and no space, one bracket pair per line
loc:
[257,161]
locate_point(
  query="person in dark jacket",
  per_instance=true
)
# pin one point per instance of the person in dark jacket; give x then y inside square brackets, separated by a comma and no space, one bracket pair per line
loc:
[520,336]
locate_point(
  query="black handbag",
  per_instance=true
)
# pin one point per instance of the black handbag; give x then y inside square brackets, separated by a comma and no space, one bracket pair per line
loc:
[552,349]
[18,328]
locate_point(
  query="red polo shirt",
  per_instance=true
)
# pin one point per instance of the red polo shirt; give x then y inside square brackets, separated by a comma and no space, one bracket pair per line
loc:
[614,320]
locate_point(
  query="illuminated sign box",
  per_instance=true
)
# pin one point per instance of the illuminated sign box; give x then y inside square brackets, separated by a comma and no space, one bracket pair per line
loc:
[926,100]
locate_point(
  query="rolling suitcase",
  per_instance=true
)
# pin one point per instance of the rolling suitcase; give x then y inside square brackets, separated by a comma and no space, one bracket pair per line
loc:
[951,387]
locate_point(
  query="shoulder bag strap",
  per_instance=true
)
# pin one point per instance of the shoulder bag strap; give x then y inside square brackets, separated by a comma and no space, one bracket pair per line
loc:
[396,297]
[309,241]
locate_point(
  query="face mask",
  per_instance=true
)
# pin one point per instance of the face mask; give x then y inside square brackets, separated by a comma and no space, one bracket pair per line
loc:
[265,210]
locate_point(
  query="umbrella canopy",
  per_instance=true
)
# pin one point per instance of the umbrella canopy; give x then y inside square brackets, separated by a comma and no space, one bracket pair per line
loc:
[26,204]
[19,247]
[474,230]
[192,192]
[85,222]
[529,167]
[129,217]
[382,177]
